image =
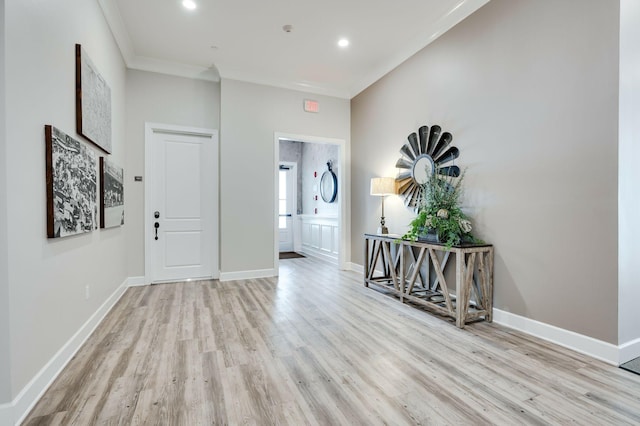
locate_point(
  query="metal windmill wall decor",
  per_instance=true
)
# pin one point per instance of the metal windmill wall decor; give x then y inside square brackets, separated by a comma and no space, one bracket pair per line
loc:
[426,153]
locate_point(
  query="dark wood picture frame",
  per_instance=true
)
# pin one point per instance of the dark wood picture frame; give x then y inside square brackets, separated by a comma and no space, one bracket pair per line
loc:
[93,102]
[71,185]
[111,194]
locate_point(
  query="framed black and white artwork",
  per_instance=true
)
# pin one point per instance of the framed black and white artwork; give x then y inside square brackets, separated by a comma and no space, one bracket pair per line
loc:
[93,102]
[72,184]
[111,194]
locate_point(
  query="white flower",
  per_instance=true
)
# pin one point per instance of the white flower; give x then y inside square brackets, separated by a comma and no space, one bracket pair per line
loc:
[443,213]
[465,225]
[428,223]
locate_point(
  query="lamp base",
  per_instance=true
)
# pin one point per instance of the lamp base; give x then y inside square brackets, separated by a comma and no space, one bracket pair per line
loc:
[383,230]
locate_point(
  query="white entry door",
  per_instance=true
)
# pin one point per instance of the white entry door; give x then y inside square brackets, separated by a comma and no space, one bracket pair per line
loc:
[181,222]
[286,204]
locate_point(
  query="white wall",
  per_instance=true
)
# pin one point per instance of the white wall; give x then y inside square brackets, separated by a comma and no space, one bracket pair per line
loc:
[158,98]
[629,173]
[250,116]
[314,159]
[47,278]
[5,359]
[529,91]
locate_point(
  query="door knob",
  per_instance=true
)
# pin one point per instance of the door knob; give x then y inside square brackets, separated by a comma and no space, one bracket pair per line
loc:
[156,226]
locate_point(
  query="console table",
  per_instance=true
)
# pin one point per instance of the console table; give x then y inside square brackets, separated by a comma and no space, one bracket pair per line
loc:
[418,272]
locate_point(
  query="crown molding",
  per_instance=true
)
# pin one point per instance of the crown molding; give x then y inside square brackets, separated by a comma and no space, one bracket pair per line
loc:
[456,15]
[173,68]
[114,19]
[118,29]
[299,87]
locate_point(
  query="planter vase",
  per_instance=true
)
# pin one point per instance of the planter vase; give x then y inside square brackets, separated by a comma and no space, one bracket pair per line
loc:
[429,235]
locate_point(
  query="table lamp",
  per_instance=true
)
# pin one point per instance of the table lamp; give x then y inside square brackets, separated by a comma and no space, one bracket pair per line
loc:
[382,187]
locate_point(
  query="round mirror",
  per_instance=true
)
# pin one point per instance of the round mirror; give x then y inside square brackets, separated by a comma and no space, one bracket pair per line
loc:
[427,151]
[329,186]
[423,167]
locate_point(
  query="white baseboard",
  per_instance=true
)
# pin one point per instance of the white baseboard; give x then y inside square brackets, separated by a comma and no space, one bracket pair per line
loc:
[135,281]
[29,396]
[15,412]
[6,415]
[247,275]
[595,348]
[360,269]
[327,256]
[355,267]
[629,351]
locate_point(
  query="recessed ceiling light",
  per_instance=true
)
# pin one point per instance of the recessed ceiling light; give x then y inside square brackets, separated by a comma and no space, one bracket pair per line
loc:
[189,4]
[343,42]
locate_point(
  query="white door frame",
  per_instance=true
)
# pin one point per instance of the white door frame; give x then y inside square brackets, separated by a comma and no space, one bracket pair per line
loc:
[149,130]
[294,213]
[344,197]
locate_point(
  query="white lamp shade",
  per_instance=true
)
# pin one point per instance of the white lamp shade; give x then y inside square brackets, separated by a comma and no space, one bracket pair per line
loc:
[383,186]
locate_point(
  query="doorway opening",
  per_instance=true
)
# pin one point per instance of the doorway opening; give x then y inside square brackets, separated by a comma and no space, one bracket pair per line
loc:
[310,198]
[287,204]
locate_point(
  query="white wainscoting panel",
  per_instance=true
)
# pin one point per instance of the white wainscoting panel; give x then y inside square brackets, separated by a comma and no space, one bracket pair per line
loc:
[320,236]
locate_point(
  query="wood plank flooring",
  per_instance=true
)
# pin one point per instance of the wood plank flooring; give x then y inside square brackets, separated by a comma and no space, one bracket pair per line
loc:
[316,347]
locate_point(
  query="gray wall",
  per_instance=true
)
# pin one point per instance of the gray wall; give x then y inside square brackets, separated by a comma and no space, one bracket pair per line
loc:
[47,278]
[5,358]
[158,98]
[529,90]
[251,114]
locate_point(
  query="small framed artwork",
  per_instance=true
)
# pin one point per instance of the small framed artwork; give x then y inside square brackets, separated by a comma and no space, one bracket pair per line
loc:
[93,102]
[72,179]
[111,194]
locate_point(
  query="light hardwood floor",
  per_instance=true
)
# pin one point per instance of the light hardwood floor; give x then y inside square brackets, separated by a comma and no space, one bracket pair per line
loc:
[317,347]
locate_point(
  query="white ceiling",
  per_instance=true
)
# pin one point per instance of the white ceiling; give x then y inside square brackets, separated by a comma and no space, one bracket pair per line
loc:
[244,40]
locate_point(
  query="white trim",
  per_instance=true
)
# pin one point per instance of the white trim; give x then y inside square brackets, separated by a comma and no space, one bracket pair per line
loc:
[257,78]
[459,12]
[248,275]
[355,268]
[118,28]
[149,130]
[143,63]
[629,351]
[136,281]
[317,216]
[595,348]
[319,255]
[114,20]
[628,176]
[33,391]
[344,191]
[6,414]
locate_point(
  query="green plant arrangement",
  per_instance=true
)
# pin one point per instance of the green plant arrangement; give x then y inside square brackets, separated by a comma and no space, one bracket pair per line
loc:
[439,213]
